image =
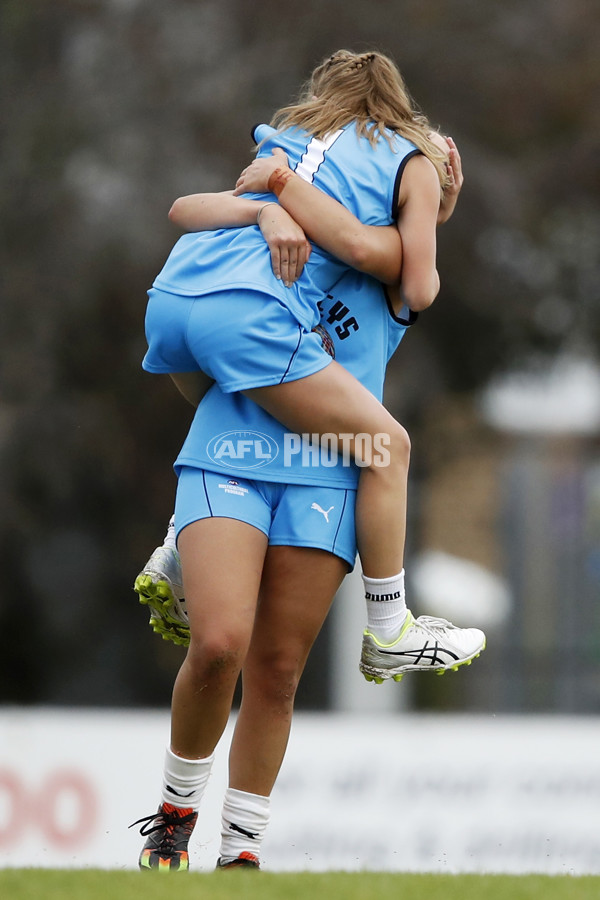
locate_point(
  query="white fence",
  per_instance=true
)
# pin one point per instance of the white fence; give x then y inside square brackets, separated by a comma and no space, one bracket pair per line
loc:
[382,792]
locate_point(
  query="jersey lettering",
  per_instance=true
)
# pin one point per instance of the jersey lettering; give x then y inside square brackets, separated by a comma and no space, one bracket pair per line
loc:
[337,312]
[343,330]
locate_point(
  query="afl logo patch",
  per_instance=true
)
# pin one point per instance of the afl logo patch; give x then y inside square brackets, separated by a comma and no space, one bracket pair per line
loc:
[242,449]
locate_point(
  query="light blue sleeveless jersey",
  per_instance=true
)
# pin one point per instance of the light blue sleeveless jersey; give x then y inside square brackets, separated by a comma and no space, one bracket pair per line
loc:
[233,435]
[363,178]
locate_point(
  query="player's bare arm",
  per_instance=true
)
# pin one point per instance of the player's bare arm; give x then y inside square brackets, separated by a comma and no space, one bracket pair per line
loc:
[205,211]
[375,250]
[418,204]
[286,240]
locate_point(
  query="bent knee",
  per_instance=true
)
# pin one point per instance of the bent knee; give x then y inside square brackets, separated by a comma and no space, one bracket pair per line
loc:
[390,449]
[400,441]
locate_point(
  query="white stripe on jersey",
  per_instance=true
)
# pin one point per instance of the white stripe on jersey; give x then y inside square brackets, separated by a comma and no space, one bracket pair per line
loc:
[314,155]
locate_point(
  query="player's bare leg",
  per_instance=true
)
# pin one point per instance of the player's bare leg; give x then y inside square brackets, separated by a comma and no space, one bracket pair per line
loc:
[221,604]
[222,562]
[332,401]
[297,589]
[394,642]
[192,385]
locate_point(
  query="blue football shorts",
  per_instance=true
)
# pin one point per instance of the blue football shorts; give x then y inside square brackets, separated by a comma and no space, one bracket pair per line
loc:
[240,338]
[291,515]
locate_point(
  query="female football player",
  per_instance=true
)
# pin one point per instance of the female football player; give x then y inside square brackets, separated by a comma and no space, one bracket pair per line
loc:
[263,552]
[356,135]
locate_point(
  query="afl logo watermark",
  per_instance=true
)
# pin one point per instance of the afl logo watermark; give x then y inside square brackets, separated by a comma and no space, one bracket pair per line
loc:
[242,449]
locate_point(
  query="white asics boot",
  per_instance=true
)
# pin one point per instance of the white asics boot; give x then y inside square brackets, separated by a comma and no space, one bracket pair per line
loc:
[426,644]
[159,586]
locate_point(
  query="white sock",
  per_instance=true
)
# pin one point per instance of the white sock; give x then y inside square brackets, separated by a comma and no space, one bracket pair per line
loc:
[185,780]
[243,823]
[386,606]
[169,540]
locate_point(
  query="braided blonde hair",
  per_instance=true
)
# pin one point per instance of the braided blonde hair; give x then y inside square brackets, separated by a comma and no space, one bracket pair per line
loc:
[365,88]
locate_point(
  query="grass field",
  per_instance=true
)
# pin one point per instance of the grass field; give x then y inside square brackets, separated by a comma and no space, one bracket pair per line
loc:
[90,884]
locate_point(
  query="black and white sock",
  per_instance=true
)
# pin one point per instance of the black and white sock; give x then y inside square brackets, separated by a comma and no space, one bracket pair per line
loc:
[185,780]
[244,821]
